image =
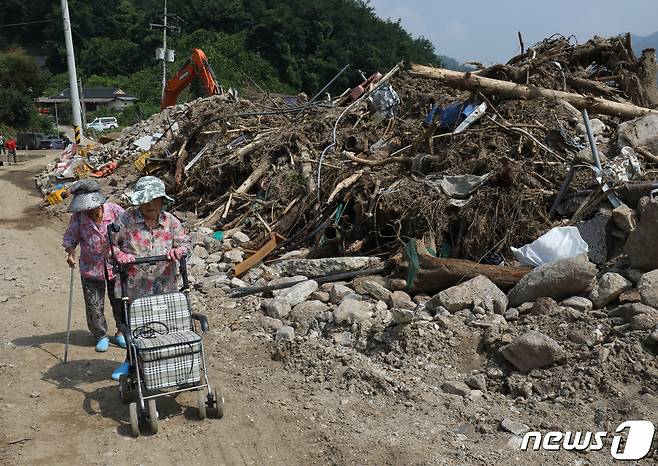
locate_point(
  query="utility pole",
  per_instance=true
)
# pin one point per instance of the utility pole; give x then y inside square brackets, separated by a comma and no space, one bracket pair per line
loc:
[164,54]
[73,80]
[82,103]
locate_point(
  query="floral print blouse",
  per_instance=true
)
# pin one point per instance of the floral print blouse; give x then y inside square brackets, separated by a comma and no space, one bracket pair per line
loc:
[136,238]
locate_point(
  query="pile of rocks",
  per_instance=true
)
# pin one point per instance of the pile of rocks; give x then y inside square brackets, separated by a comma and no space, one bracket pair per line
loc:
[562,329]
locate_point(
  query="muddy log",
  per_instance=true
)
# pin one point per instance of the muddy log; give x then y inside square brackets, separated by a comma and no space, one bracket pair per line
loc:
[436,274]
[469,81]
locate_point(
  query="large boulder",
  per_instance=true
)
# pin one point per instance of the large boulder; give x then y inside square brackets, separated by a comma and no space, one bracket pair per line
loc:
[608,288]
[327,266]
[648,287]
[298,293]
[377,291]
[353,310]
[533,350]
[479,291]
[641,245]
[628,311]
[642,131]
[557,280]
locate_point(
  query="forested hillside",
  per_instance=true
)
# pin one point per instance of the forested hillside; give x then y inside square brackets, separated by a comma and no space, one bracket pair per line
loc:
[291,46]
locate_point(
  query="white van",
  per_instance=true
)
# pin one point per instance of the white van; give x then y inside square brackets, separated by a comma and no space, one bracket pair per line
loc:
[103,123]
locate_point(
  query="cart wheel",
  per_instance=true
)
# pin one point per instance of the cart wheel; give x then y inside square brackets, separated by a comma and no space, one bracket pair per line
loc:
[134,419]
[153,416]
[124,388]
[216,399]
[201,403]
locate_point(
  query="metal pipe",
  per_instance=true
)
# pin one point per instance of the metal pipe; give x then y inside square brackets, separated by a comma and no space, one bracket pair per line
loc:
[592,142]
[561,193]
[328,84]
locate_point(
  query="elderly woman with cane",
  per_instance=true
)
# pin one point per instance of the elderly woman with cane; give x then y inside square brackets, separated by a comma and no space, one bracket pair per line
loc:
[88,228]
[148,230]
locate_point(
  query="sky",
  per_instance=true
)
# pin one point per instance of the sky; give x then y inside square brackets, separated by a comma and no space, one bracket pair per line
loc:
[486,30]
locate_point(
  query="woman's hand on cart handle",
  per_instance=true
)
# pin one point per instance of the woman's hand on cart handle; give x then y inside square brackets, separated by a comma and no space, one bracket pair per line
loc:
[176,253]
[124,258]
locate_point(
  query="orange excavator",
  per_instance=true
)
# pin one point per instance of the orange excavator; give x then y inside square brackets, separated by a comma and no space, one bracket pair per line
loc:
[197,65]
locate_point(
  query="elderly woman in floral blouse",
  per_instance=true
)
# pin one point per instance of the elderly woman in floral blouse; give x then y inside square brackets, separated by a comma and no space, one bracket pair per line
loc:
[88,229]
[147,230]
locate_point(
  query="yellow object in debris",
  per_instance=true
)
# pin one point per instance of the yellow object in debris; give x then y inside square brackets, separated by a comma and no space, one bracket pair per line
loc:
[82,171]
[141,161]
[56,196]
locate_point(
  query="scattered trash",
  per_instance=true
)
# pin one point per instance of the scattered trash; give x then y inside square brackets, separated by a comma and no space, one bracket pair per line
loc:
[558,243]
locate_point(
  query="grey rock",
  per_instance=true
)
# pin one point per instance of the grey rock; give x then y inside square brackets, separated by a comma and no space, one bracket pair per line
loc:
[195,262]
[338,292]
[327,266]
[597,126]
[357,283]
[310,308]
[625,218]
[596,232]
[298,293]
[653,336]
[630,296]
[200,251]
[376,290]
[402,316]
[477,382]
[578,303]
[285,333]
[526,308]
[491,320]
[557,280]
[479,291]
[512,314]
[237,283]
[234,256]
[401,300]
[381,306]
[319,296]
[479,311]
[545,307]
[342,338]
[608,288]
[304,315]
[456,388]
[532,350]
[642,131]
[240,237]
[421,298]
[515,428]
[648,287]
[353,310]
[628,311]
[643,321]
[281,280]
[276,308]
[269,323]
[641,245]
[215,257]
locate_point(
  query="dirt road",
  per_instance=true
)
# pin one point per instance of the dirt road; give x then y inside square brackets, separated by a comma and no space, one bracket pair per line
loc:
[55,413]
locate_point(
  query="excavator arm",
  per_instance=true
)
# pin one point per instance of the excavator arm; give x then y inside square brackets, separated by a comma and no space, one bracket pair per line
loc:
[197,65]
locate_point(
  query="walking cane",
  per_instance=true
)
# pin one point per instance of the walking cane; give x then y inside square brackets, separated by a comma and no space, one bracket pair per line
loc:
[68,322]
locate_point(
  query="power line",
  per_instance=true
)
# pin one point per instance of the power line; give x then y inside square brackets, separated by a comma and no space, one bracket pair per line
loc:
[26,23]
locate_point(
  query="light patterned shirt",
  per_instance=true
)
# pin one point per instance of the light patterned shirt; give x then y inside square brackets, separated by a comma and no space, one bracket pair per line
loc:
[136,238]
[92,239]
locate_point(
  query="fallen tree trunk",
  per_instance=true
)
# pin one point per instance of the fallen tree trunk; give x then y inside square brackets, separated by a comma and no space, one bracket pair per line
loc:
[436,274]
[470,81]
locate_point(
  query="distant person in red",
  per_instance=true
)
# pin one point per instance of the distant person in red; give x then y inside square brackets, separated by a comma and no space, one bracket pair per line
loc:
[11,149]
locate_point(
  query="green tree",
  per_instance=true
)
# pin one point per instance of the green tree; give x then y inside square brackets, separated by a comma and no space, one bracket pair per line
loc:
[21,81]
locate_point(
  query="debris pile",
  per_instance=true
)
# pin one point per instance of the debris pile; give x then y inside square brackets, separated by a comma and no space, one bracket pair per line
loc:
[370,236]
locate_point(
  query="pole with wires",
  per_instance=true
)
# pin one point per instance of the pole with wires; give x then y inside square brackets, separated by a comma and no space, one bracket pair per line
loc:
[73,80]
